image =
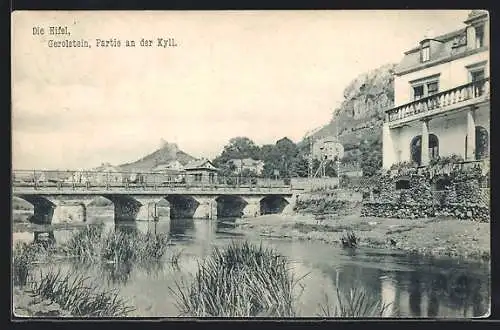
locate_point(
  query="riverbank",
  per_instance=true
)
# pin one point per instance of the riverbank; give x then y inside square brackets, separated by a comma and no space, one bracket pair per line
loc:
[26,304]
[427,237]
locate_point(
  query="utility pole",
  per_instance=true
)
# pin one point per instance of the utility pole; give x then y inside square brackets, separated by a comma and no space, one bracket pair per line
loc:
[310,170]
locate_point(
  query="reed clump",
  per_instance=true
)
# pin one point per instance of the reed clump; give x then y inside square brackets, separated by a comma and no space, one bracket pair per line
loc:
[355,302]
[84,243]
[79,296]
[94,244]
[242,280]
[349,240]
[119,246]
[23,256]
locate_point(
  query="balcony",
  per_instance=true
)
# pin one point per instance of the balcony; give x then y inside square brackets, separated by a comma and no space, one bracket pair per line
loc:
[455,98]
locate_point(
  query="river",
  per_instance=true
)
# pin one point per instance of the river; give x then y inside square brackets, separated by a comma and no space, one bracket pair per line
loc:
[413,286]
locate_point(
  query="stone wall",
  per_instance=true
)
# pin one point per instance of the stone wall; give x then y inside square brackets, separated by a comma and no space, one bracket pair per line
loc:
[463,198]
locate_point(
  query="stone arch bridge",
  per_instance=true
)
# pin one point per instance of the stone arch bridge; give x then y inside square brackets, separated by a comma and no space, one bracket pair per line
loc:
[56,203]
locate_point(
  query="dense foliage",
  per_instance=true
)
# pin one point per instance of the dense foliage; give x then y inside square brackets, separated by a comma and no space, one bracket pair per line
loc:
[284,158]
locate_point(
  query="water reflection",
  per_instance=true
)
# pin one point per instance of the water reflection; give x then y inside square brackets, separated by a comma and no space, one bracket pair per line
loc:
[412,287]
[388,294]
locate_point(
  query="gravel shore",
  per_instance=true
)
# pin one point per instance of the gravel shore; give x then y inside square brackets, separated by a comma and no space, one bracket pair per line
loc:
[430,237]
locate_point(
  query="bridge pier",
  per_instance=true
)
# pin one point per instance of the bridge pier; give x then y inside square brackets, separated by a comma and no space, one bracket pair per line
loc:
[252,209]
[148,209]
[70,209]
[207,208]
[292,201]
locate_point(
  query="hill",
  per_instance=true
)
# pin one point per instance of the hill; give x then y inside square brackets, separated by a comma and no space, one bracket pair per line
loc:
[167,153]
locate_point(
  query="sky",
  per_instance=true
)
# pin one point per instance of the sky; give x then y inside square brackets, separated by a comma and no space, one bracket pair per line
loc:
[264,75]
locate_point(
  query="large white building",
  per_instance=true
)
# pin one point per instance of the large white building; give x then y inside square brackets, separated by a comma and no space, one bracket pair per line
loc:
[441,98]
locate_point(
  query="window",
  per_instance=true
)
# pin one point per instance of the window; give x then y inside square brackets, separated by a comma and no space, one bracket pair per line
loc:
[416,148]
[479,36]
[197,177]
[426,54]
[477,75]
[425,89]
[402,184]
[433,146]
[432,88]
[418,92]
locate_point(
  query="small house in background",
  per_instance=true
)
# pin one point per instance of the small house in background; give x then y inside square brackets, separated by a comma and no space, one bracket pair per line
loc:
[201,172]
[256,166]
[168,173]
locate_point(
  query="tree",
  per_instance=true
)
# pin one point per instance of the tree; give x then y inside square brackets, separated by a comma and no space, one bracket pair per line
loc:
[280,156]
[299,167]
[238,148]
[371,157]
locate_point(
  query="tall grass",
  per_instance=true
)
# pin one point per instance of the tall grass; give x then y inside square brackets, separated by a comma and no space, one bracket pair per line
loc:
[174,259]
[24,254]
[93,244]
[76,294]
[121,246]
[355,302]
[240,281]
[349,240]
[84,243]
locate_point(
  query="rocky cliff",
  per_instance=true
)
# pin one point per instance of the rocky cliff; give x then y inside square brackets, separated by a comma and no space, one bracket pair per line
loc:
[360,116]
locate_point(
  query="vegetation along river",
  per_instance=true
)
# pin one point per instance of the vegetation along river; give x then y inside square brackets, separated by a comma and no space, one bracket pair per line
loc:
[411,286]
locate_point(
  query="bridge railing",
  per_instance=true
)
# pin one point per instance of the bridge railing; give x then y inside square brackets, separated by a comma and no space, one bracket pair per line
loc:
[95,180]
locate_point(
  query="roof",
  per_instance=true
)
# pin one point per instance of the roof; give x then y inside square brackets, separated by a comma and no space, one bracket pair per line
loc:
[200,164]
[247,161]
[444,46]
[442,38]
[168,168]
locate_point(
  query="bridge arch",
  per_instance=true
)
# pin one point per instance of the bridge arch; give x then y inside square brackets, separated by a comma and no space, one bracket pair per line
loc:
[54,209]
[230,206]
[43,208]
[182,206]
[273,204]
[131,208]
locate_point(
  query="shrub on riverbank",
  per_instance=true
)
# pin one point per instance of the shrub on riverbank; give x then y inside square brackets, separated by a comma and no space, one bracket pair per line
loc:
[319,204]
[76,294]
[240,281]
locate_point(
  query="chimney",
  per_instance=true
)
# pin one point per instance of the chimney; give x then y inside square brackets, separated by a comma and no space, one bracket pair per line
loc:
[471,37]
